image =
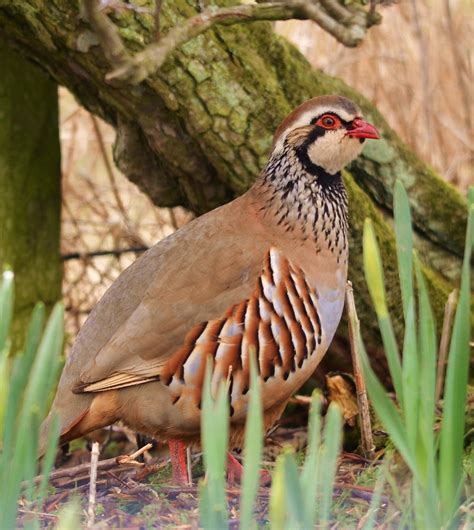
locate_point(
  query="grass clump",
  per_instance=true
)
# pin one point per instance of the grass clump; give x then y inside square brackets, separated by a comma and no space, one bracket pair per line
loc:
[26,383]
[297,499]
[435,459]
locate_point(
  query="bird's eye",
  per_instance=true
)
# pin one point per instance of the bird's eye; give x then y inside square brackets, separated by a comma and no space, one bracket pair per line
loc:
[328,122]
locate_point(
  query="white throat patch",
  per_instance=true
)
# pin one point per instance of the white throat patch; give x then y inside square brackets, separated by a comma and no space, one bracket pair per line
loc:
[334,150]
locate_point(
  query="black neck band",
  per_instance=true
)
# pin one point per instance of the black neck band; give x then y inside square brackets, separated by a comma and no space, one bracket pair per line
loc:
[324,178]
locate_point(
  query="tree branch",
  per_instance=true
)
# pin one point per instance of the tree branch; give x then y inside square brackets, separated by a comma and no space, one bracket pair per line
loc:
[99,253]
[107,33]
[348,26]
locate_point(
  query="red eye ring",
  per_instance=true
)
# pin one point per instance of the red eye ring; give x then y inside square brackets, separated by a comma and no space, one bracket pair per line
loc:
[329,121]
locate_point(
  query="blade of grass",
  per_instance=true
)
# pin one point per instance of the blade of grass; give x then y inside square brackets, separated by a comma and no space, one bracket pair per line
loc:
[374,506]
[427,347]
[46,362]
[452,425]
[309,476]
[387,412]
[48,460]
[6,306]
[278,506]
[4,391]
[205,506]
[410,365]
[22,463]
[404,243]
[70,516]
[29,464]
[328,461]
[252,449]
[411,378]
[396,493]
[19,376]
[293,493]
[374,278]
[214,436]
[44,373]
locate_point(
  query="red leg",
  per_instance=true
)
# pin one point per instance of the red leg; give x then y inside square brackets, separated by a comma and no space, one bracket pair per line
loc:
[178,461]
[235,472]
[234,469]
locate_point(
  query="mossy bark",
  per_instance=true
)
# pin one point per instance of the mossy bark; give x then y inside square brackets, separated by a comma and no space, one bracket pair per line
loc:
[199,131]
[30,177]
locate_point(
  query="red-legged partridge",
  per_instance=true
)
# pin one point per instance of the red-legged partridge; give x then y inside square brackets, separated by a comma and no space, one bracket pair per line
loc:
[265,273]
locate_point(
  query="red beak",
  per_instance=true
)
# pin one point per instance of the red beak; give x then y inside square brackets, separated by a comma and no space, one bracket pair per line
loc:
[362,129]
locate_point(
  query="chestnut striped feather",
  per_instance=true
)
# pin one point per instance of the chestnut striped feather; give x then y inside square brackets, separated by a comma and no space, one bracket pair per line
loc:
[279,323]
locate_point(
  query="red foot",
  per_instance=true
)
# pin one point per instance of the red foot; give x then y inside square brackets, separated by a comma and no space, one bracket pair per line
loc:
[178,462]
[235,472]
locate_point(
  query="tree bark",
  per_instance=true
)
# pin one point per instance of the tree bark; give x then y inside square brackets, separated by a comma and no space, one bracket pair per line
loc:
[198,132]
[30,177]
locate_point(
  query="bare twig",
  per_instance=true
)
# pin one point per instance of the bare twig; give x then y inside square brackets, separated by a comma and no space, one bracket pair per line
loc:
[108,165]
[347,25]
[301,400]
[107,33]
[173,220]
[126,459]
[362,401]
[337,10]
[141,490]
[189,465]
[113,183]
[44,515]
[113,252]
[92,485]
[102,465]
[444,343]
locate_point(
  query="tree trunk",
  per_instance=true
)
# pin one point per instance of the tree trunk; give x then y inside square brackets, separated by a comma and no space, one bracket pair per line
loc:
[199,131]
[30,177]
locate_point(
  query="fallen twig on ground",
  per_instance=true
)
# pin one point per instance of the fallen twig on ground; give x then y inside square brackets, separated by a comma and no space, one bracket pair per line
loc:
[82,471]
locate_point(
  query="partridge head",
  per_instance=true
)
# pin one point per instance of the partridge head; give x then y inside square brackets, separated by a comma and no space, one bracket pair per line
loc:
[326,132]
[264,275]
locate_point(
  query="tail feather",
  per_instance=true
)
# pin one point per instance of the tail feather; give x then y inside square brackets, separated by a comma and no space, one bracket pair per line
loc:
[79,414]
